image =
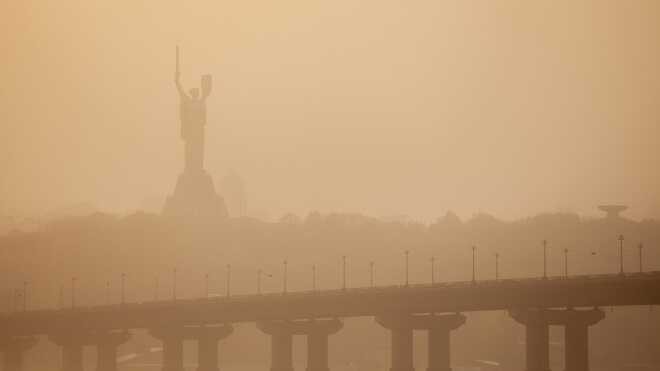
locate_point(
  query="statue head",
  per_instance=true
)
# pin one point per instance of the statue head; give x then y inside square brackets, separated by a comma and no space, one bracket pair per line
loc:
[194,93]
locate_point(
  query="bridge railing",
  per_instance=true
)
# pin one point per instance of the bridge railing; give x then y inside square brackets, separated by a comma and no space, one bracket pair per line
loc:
[346,291]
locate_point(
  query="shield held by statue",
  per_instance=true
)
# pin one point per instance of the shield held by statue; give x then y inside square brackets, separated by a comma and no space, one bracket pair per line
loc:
[207,85]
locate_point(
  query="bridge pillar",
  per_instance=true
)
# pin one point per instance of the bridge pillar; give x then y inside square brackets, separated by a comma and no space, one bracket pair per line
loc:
[281,344]
[72,344]
[439,340]
[172,338]
[13,350]
[207,338]
[439,328]
[401,342]
[317,332]
[207,346]
[576,344]
[577,337]
[107,344]
[536,338]
[317,342]
[72,356]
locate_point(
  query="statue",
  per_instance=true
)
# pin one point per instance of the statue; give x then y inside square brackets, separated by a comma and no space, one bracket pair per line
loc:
[194,198]
[193,119]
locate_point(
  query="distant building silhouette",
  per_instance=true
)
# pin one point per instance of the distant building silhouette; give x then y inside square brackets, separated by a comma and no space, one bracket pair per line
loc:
[613,211]
[194,197]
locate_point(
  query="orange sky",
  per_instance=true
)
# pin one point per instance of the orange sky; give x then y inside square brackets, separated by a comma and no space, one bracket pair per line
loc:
[381,107]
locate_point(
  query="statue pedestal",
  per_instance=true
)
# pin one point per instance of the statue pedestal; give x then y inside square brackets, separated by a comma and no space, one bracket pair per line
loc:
[195,198]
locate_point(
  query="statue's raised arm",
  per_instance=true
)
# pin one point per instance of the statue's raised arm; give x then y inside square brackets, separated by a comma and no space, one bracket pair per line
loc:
[177,77]
[179,88]
[207,85]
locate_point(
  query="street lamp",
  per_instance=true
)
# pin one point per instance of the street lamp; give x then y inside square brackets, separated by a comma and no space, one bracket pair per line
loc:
[640,247]
[206,285]
[565,263]
[73,292]
[107,292]
[228,289]
[17,298]
[474,273]
[432,270]
[285,276]
[407,253]
[545,259]
[497,266]
[156,287]
[621,254]
[258,281]
[174,284]
[343,272]
[123,288]
[313,277]
[372,266]
[25,294]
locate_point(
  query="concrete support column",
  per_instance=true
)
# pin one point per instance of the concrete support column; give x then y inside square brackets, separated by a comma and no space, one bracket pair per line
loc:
[107,344]
[317,352]
[172,353]
[439,329]
[14,349]
[172,338]
[401,341]
[576,346]
[281,344]
[72,356]
[207,346]
[537,346]
[577,337]
[401,349]
[317,342]
[281,352]
[439,340]
[537,355]
[72,343]
[439,350]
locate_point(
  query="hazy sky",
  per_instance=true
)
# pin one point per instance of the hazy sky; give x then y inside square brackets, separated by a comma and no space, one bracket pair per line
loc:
[376,106]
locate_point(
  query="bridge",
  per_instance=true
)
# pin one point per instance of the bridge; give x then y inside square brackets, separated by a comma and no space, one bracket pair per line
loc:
[537,303]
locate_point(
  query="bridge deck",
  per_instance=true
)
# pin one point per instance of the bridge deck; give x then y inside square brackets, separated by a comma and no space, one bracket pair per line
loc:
[552,292]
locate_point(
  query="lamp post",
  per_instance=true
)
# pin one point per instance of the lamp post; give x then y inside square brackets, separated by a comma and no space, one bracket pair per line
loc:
[407,253]
[621,254]
[156,287]
[497,266]
[474,272]
[61,297]
[17,298]
[372,281]
[343,272]
[545,259]
[258,281]
[25,295]
[640,247]
[174,284]
[314,277]
[123,288]
[432,270]
[228,289]
[206,285]
[565,263]
[25,284]
[73,292]
[285,276]
[107,292]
